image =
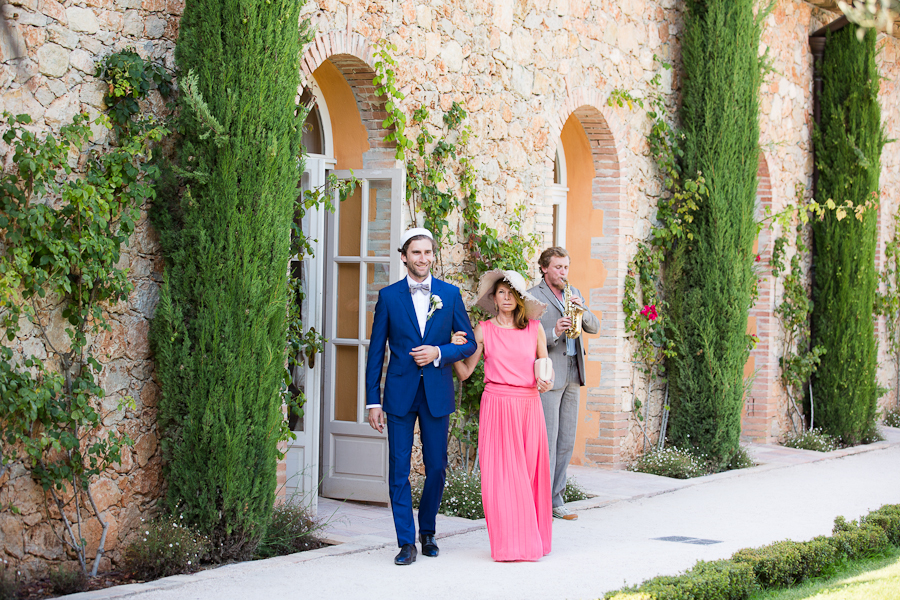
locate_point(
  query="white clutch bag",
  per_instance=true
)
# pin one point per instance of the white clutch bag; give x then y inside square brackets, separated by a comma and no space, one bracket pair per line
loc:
[543,369]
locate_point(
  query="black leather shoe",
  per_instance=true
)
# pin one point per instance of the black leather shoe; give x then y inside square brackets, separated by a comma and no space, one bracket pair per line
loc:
[407,555]
[429,547]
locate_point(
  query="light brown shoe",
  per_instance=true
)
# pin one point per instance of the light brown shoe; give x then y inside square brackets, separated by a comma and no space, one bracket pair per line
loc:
[561,512]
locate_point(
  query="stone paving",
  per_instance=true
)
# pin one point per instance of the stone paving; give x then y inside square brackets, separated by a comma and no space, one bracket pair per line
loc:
[626,533]
[356,523]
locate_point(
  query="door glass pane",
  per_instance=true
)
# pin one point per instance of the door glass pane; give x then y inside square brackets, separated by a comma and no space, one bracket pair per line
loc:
[378,240]
[350,212]
[345,383]
[377,276]
[347,315]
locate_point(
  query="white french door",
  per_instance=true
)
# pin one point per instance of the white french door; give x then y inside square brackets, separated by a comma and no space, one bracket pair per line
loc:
[363,234]
[302,456]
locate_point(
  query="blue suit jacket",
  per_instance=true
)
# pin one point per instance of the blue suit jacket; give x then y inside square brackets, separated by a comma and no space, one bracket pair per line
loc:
[395,324]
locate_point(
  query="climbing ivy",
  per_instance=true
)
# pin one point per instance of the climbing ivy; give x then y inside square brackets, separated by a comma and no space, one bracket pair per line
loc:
[798,361]
[61,235]
[888,300]
[385,81]
[440,181]
[644,301]
[799,357]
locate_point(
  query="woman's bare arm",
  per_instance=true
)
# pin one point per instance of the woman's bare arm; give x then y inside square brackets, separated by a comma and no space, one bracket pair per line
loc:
[464,368]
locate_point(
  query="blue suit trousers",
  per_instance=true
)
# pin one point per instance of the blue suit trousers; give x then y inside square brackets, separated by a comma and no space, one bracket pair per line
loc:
[433,431]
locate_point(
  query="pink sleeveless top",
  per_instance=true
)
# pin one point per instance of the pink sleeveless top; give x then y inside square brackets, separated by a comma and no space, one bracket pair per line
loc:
[509,354]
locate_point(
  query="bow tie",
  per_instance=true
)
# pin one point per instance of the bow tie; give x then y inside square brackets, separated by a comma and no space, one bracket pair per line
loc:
[425,288]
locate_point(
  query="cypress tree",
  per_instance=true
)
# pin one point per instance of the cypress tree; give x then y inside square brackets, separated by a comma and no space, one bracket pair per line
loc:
[848,143]
[219,330]
[710,278]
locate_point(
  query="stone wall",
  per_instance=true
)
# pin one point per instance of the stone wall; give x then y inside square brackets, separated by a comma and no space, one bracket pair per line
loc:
[521,69]
[48,52]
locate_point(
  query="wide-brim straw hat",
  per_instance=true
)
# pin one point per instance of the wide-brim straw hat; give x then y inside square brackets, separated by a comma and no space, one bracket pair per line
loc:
[534,308]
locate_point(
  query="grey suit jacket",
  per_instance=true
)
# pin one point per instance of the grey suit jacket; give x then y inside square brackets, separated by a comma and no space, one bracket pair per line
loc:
[556,346]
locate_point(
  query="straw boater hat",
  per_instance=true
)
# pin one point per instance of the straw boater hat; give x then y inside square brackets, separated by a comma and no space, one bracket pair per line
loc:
[533,307]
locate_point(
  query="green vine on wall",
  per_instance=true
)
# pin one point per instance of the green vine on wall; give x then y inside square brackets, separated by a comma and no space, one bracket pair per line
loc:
[799,360]
[644,302]
[61,237]
[440,181]
[304,343]
[888,300]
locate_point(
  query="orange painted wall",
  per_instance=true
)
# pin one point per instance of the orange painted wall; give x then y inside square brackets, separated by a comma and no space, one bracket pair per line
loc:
[582,223]
[351,140]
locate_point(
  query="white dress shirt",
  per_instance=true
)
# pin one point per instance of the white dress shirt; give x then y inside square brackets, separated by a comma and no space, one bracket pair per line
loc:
[422,302]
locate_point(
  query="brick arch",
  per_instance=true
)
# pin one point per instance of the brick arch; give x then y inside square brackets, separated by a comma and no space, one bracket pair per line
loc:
[354,58]
[761,407]
[603,424]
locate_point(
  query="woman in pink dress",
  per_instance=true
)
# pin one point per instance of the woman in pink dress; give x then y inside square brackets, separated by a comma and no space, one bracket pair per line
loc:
[512,441]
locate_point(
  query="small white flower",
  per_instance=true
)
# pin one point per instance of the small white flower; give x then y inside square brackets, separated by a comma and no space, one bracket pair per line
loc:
[436,304]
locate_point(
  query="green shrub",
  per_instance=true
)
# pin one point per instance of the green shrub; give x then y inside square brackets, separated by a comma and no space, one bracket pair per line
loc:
[888,518]
[848,143]
[710,277]
[165,547]
[462,495]
[292,528]
[9,581]
[66,580]
[785,563]
[871,435]
[853,540]
[741,459]
[574,492]
[669,462]
[220,329]
[891,417]
[719,580]
[814,439]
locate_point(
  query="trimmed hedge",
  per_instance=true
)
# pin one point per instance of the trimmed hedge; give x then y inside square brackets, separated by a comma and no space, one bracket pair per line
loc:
[718,580]
[781,564]
[853,540]
[787,563]
[887,518]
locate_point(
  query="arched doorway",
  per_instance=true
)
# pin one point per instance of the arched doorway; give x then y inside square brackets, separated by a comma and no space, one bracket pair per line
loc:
[353,257]
[589,220]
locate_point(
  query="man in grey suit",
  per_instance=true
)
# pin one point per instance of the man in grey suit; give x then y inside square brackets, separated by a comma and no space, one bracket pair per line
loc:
[567,355]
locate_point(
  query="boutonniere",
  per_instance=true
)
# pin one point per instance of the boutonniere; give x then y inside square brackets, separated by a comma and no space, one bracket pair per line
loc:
[436,304]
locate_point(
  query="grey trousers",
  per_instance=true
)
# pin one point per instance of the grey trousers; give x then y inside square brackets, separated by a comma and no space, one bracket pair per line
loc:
[561,416]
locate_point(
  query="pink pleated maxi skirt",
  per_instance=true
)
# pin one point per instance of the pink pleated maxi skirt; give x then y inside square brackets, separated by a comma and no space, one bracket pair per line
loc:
[515,473]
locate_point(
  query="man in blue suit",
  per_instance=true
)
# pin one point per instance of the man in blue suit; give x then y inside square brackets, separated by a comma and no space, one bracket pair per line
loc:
[416,317]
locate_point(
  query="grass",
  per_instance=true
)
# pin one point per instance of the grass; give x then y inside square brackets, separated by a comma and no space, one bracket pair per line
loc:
[866,579]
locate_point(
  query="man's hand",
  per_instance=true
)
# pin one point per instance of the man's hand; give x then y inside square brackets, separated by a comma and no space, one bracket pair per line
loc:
[561,325]
[424,355]
[576,300]
[376,419]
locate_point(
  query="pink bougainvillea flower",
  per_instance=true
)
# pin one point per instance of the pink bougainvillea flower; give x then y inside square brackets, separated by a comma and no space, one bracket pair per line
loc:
[649,311]
[758,258]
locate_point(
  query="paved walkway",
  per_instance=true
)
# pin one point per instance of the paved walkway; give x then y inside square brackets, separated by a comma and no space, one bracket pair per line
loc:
[793,494]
